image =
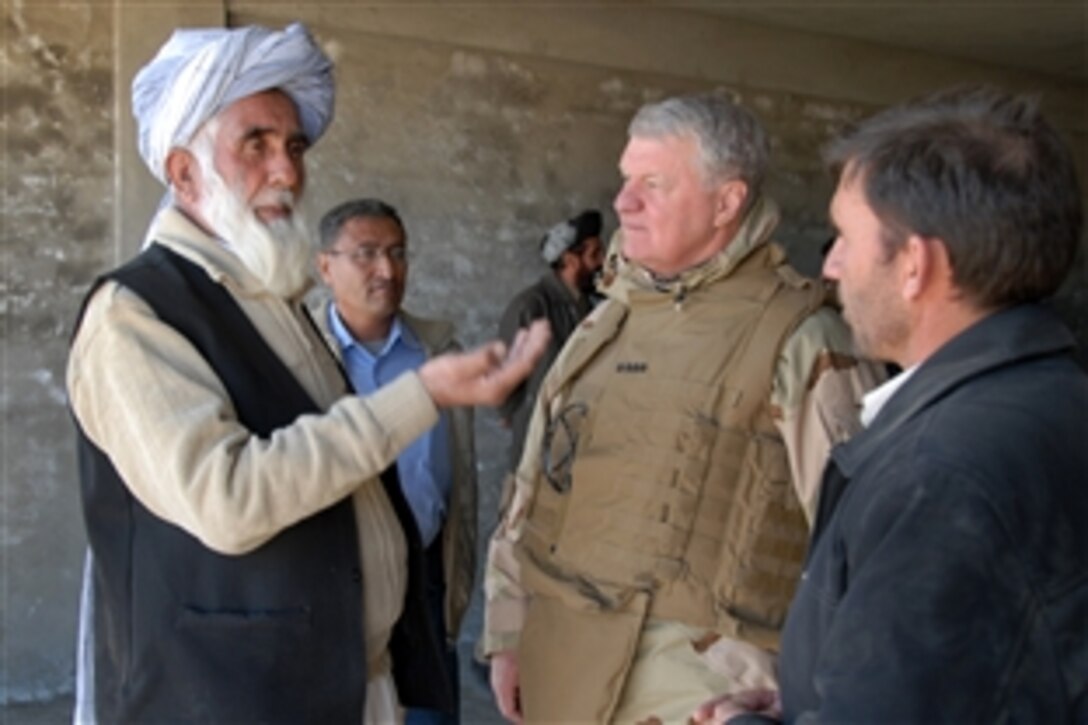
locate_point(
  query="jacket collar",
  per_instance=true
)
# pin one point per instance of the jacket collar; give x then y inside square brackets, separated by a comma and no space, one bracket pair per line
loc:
[398,333]
[1002,338]
[436,336]
[622,276]
[176,231]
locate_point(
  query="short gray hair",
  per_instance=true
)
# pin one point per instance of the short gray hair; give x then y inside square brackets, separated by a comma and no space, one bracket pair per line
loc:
[732,143]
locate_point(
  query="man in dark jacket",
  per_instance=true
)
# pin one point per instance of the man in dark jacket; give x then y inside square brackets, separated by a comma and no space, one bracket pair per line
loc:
[947,578]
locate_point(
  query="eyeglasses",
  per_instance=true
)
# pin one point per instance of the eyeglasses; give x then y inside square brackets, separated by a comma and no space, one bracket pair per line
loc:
[367,255]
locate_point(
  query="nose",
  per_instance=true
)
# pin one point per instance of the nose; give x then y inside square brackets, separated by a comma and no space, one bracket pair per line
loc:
[626,199]
[383,264]
[285,171]
[833,260]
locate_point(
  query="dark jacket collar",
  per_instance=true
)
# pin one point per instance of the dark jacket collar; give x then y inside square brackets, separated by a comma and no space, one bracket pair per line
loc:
[1002,338]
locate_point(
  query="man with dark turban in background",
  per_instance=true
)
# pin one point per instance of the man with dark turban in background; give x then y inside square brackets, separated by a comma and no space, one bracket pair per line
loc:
[246,562]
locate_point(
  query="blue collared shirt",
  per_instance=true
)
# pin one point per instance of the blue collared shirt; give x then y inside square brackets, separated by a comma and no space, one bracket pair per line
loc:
[424,466]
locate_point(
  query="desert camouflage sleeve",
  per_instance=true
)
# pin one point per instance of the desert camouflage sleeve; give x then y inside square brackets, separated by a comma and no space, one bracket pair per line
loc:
[505,600]
[816,399]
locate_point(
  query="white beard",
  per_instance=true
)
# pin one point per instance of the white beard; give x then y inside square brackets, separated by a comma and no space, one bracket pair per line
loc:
[277,253]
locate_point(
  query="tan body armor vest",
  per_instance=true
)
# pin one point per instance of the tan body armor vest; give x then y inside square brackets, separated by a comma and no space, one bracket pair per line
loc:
[664,478]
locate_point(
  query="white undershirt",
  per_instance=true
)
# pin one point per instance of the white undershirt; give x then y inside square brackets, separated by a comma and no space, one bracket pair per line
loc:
[873,401]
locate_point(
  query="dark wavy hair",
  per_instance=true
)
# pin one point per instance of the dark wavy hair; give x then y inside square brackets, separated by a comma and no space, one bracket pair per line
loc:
[984,172]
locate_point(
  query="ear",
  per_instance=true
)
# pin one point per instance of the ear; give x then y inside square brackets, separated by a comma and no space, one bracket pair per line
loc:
[183,173]
[323,262]
[568,259]
[731,197]
[925,267]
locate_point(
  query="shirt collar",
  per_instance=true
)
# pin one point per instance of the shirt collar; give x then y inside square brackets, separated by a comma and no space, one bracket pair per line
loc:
[621,275]
[873,401]
[398,333]
[172,228]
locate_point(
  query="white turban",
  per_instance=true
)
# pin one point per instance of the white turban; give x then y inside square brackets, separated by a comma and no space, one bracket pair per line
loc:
[201,71]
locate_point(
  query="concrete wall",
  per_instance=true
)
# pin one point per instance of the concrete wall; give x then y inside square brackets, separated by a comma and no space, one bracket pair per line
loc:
[484,124]
[57,190]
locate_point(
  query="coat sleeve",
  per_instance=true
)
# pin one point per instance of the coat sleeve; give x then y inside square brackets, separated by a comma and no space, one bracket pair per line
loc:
[146,397]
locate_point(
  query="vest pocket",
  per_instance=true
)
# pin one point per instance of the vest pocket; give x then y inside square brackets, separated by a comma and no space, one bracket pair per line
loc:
[243,657]
[765,539]
[574,660]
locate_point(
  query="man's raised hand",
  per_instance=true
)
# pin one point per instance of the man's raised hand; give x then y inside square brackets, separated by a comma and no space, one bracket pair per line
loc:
[488,374]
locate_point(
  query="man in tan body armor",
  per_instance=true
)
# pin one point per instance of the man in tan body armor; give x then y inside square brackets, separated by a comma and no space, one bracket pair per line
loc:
[672,464]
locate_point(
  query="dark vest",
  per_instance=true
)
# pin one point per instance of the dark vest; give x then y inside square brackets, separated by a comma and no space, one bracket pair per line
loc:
[183,633]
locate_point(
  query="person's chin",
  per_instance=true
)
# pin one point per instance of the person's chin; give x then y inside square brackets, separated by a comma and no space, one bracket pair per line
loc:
[383,308]
[638,255]
[636,246]
[847,312]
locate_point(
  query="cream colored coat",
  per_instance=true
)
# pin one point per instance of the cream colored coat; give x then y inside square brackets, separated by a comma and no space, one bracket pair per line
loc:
[148,399]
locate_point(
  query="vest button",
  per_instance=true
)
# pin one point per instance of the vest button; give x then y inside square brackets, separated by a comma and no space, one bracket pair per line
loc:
[356,575]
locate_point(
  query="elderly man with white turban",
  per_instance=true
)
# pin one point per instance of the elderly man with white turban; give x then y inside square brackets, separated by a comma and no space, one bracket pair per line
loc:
[246,561]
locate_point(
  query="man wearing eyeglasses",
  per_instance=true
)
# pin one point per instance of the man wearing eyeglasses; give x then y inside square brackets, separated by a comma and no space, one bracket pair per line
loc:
[363,259]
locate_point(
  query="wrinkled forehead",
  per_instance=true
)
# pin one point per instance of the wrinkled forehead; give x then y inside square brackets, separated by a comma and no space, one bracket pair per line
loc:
[659,154]
[270,111]
[845,192]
